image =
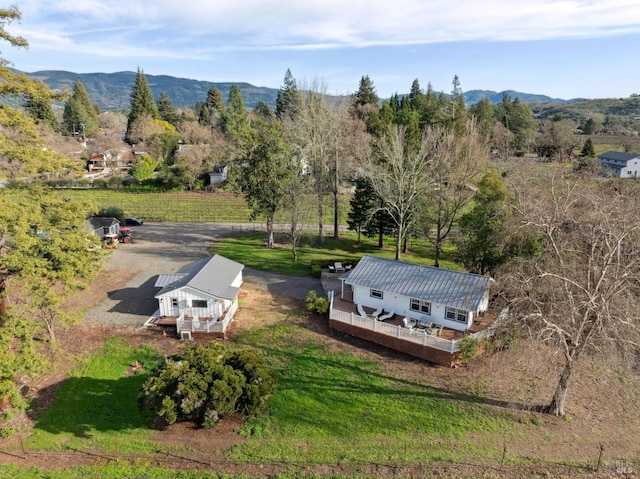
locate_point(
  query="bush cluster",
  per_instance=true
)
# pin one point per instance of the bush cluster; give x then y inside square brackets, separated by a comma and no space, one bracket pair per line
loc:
[206,383]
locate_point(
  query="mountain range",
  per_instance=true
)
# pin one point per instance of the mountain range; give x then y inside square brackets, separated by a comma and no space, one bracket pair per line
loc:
[111,91]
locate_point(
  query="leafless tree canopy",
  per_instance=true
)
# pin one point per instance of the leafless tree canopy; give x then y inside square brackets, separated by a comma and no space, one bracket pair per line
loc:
[580,294]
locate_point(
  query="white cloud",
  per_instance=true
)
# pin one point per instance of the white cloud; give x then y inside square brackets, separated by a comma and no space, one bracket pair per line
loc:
[294,24]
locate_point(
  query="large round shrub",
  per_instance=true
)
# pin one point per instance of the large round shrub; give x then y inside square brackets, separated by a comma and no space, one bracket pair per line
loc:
[207,382]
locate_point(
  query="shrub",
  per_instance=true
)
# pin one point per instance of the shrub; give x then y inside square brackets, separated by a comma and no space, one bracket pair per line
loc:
[468,348]
[316,270]
[206,383]
[315,303]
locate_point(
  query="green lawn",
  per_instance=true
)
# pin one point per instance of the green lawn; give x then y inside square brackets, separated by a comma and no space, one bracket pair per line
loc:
[96,407]
[334,408]
[249,250]
[329,408]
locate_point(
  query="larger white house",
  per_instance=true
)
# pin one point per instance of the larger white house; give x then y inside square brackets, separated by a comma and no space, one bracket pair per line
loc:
[621,165]
[426,294]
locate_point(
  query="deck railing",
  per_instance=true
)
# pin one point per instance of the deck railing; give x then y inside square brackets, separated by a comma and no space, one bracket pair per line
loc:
[415,336]
[208,325]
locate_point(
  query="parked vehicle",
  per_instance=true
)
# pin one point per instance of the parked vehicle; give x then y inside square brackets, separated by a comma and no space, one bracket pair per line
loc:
[125,235]
[131,221]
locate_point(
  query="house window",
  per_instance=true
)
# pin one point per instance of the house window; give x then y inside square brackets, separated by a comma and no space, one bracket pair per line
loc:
[454,314]
[375,293]
[174,302]
[198,303]
[420,306]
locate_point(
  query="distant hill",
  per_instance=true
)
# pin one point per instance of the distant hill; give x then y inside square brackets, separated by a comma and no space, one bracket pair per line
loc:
[474,96]
[112,90]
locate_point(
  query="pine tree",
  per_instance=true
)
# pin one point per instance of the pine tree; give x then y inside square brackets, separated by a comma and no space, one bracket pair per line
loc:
[236,121]
[588,151]
[142,105]
[40,110]
[366,94]
[79,117]
[214,102]
[166,110]
[288,100]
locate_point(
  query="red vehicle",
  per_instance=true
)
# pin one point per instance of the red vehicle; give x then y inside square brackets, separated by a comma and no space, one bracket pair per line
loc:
[125,235]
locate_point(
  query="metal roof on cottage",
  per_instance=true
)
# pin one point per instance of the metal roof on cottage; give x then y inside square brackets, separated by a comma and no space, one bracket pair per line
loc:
[451,288]
[213,276]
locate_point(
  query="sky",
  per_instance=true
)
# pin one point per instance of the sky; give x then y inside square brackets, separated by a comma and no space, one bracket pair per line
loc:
[560,48]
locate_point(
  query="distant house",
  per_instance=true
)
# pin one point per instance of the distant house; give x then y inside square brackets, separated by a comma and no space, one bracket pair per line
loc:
[620,165]
[420,310]
[202,297]
[113,161]
[103,226]
[218,174]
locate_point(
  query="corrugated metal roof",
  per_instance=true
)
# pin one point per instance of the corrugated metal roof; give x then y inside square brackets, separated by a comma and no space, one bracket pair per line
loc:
[617,156]
[167,279]
[212,275]
[441,286]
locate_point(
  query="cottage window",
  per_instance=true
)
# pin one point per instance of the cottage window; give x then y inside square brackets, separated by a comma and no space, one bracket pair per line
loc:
[420,306]
[454,314]
[198,303]
[375,293]
[174,302]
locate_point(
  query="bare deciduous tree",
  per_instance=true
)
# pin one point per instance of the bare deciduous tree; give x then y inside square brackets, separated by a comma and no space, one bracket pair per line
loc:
[455,160]
[399,176]
[580,294]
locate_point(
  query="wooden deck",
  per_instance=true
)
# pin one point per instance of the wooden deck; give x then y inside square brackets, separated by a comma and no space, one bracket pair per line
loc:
[419,341]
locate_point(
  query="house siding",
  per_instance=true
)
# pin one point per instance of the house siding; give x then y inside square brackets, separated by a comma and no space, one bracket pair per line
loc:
[215,306]
[401,305]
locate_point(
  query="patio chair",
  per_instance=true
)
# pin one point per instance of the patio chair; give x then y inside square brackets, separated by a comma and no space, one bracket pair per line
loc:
[390,314]
[361,311]
[377,312]
[347,267]
[332,269]
[339,267]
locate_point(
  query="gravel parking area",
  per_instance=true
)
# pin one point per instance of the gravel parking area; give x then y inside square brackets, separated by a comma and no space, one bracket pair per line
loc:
[132,269]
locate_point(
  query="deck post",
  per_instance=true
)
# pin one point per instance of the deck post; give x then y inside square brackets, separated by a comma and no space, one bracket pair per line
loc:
[351,319]
[374,325]
[398,332]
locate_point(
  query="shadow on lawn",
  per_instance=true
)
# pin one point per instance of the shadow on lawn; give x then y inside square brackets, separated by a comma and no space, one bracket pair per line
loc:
[82,405]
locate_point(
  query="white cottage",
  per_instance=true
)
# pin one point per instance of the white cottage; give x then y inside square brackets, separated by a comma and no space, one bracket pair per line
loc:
[425,294]
[203,295]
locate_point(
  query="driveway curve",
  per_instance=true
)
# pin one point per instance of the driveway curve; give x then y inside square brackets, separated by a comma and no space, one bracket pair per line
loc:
[159,248]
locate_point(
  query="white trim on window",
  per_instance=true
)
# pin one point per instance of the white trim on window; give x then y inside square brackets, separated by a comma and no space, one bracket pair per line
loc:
[454,314]
[375,293]
[420,306]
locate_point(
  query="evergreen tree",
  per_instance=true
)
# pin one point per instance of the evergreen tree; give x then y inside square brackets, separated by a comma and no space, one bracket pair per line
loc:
[362,204]
[217,111]
[484,112]
[288,100]
[79,117]
[166,110]
[366,94]
[236,121]
[481,245]
[142,105]
[588,151]
[39,108]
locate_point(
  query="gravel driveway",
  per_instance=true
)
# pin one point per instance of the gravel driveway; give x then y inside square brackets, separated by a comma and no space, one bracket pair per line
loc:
[163,248]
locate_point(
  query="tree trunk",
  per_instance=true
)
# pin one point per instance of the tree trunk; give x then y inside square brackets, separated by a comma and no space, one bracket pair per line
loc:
[3,297]
[556,406]
[320,223]
[335,214]
[399,242]
[405,244]
[359,232]
[269,231]
[437,245]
